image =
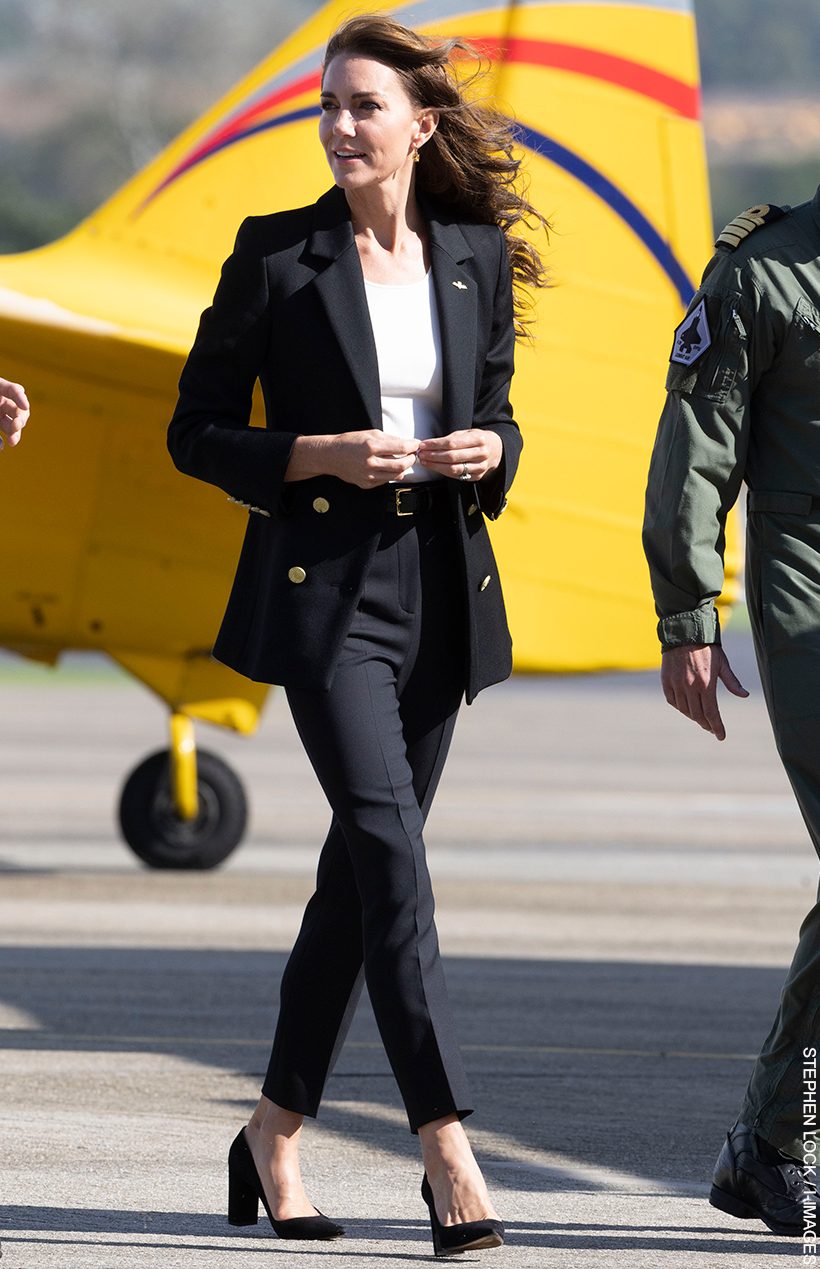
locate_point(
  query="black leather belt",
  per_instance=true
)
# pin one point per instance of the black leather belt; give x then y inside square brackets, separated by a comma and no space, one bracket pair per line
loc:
[784,504]
[409,500]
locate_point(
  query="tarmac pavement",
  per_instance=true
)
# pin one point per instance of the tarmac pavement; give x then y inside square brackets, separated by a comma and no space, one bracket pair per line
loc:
[618,898]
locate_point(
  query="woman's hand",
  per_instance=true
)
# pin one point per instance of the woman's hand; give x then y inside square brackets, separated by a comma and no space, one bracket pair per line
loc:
[481,451]
[365,459]
[14,412]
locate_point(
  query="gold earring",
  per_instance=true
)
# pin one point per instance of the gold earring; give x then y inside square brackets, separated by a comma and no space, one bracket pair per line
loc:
[415,156]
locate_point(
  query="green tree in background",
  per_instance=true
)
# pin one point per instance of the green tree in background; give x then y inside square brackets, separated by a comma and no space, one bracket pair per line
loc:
[91,90]
[765,49]
[759,45]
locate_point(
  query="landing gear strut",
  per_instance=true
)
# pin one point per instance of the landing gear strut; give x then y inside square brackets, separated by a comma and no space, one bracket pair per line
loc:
[183,809]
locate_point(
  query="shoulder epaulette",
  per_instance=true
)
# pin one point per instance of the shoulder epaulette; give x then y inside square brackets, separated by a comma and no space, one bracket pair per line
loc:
[746,223]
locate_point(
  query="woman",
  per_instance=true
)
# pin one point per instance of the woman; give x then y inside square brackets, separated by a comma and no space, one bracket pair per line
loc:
[380,322]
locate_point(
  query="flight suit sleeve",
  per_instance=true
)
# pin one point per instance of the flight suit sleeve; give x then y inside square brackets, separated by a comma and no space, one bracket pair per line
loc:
[209,436]
[699,457]
[493,411]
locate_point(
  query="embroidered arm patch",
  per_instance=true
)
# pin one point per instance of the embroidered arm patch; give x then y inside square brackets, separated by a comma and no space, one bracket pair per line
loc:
[692,337]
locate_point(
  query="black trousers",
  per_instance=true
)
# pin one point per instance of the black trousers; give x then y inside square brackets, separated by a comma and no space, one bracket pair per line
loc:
[377,741]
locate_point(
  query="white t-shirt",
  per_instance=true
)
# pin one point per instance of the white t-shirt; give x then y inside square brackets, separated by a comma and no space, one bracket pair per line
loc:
[408,348]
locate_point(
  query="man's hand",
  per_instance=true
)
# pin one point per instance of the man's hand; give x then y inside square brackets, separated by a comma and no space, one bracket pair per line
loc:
[689,677]
[14,412]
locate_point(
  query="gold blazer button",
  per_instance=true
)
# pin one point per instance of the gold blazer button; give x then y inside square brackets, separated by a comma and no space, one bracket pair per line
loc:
[321,505]
[483,585]
[298,575]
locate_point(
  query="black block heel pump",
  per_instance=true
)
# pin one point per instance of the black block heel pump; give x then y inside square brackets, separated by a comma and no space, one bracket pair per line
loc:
[449,1240]
[245,1191]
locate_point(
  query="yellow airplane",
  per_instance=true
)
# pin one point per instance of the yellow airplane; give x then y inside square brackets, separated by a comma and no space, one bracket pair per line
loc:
[115,551]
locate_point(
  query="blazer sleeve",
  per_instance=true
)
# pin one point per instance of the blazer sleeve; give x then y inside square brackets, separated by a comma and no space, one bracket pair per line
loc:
[493,411]
[210,436]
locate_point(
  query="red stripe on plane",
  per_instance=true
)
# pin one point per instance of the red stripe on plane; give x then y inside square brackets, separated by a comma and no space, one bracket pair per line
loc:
[681,97]
[247,116]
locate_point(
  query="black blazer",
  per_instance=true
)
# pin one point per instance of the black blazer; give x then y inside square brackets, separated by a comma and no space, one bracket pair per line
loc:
[291,310]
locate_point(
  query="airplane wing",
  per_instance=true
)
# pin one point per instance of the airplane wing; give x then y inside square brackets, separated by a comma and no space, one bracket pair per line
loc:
[113,549]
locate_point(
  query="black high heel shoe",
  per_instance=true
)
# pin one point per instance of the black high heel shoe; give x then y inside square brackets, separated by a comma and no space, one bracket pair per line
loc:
[245,1189]
[448,1240]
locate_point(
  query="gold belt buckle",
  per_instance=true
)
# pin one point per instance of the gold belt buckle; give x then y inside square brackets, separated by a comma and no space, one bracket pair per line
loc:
[399,511]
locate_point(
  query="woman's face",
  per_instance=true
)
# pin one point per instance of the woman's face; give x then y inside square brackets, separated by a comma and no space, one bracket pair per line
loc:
[369,126]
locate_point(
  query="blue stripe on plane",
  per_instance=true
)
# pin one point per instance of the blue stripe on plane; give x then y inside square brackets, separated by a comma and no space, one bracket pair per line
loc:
[614,198]
[307,112]
[558,154]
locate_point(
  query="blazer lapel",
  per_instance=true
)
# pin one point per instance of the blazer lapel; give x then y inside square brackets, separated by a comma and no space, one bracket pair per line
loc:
[456,298]
[340,285]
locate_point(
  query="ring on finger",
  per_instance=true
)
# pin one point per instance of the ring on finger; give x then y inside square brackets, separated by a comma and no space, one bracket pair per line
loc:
[465,475]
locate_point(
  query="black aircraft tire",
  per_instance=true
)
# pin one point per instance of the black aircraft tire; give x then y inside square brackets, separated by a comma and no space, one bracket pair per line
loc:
[157,835]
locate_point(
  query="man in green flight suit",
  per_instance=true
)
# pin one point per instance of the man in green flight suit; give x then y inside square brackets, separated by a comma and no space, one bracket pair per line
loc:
[743,403]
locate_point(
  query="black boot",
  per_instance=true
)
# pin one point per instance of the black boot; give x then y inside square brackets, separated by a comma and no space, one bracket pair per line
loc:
[754,1179]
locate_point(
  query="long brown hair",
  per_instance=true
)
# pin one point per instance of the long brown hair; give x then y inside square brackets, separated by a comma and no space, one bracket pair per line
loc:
[468,162]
